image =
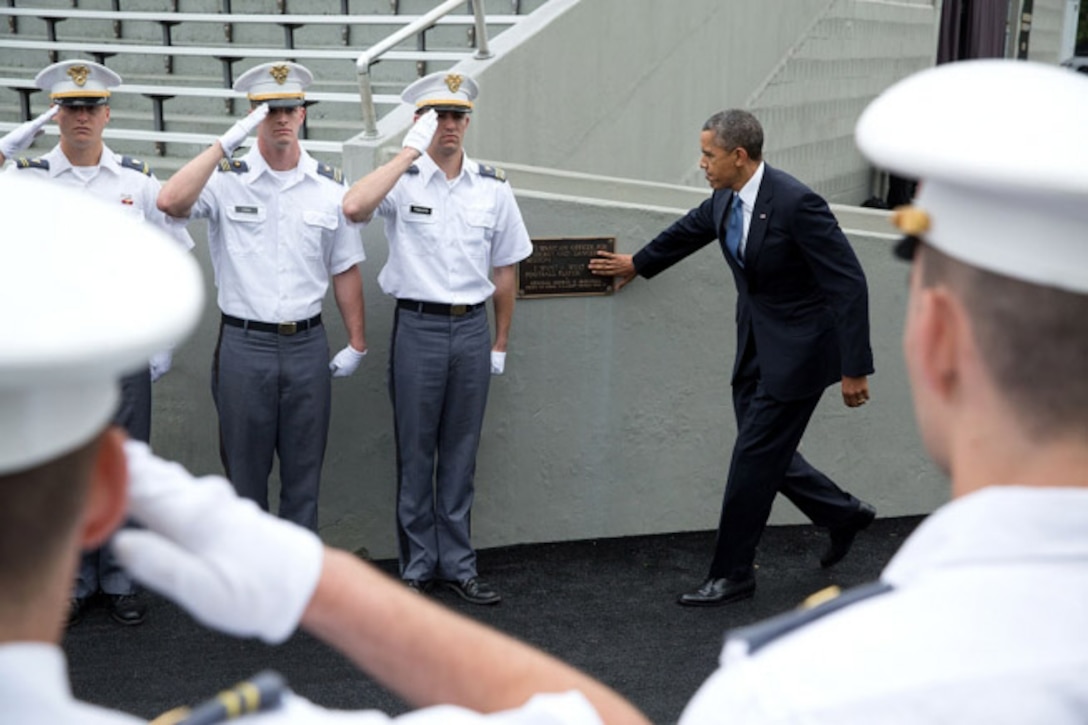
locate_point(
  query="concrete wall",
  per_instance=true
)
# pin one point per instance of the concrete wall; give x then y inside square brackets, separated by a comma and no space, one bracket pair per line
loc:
[614,417]
[1047,24]
[621,87]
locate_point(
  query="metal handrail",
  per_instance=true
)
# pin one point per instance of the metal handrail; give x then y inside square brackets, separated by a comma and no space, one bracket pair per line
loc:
[371,55]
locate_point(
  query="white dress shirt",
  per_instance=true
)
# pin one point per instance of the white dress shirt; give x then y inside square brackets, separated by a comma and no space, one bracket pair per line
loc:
[446,235]
[274,245]
[987,623]
[748,194]
[131,189]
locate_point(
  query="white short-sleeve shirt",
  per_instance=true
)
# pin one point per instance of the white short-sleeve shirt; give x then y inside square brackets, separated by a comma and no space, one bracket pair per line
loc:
[986,622]
[121,180]
[445,235]
[274,243]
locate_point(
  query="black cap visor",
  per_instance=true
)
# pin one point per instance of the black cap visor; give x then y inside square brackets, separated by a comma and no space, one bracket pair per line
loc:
[79,101]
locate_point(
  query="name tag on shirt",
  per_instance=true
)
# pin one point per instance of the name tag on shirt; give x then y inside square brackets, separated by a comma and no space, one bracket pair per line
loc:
[246,210]
[416,209]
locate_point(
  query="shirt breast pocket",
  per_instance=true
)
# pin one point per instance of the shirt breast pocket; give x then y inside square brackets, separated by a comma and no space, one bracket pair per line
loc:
[246,222]
[420,228]
[315,224]
[481,224]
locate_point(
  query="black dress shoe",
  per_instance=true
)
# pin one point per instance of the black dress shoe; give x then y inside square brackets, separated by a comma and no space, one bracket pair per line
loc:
[418,585]
[842,537]
[127,609]
[474,590]
[77,607]
[715,592]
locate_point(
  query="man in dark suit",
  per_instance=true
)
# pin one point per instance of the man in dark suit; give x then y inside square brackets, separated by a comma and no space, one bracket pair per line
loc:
[802,325]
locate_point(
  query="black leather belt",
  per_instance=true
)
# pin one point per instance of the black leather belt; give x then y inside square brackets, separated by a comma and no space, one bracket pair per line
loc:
[436,308]
[282,328]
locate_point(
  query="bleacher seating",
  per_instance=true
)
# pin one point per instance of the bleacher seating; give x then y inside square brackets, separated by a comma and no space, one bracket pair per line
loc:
[178,63]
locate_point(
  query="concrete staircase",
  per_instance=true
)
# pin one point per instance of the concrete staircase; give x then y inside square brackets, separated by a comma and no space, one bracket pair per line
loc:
[211,113]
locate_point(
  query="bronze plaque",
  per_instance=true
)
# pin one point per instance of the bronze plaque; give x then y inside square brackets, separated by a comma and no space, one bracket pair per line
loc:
[560,268]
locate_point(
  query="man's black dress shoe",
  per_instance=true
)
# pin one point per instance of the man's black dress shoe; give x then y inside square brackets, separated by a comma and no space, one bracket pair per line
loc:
[715,592]
[418,585]
[474,590]
[77,607]
[127,609]
[842,537]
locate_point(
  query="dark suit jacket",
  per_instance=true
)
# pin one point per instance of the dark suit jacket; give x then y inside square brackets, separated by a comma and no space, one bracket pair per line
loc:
[801,295]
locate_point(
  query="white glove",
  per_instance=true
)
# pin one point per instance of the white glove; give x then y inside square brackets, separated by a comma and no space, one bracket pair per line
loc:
[422,131]
[24,134]
[346,362]
[498,362]
[232,566]
[160,364]
[237,133]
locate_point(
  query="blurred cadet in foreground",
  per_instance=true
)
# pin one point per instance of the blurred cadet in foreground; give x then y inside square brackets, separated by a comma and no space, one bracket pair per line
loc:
[80,91]
[980,617]
[68,479]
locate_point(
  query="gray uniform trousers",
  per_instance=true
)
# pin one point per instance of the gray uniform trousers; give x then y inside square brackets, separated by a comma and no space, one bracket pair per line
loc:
[273,393]
[439,374]
[98,569]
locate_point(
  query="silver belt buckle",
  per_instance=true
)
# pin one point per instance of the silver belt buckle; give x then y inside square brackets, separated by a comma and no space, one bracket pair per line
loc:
[458,310]
[288,328]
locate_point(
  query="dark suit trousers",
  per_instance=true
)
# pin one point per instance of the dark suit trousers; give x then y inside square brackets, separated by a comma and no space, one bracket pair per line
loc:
[765,462]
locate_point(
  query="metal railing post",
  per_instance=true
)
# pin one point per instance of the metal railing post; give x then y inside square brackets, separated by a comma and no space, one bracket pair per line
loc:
[366,96]
[371,55]
[482,50]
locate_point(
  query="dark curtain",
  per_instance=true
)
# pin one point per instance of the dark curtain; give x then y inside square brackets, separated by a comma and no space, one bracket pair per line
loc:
[972,29]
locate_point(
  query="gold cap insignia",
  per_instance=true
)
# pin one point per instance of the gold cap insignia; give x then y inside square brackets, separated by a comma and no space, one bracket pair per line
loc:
[280,73]
[911,220]
[78,74]
[453,82]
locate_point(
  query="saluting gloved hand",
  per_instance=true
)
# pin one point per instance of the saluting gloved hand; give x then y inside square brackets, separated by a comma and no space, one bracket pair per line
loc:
[498,362]
[24,134]
[237,133]
[160,364]
[346,362]
[422,131]
[230,565]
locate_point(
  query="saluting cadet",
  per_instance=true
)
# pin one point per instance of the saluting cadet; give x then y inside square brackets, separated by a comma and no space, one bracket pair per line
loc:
[276,235]
[80,93]
[455,235]
[67,478]
[980,617]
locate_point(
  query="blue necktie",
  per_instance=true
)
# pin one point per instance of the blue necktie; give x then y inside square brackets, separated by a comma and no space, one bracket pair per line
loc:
[734,229]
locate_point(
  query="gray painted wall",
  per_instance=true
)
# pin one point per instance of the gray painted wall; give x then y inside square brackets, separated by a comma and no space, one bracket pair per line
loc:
[621,87]
[614,417]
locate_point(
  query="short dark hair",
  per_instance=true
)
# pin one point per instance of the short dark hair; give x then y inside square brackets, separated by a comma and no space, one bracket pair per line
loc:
[736,128]
[1033,339]
[38,508]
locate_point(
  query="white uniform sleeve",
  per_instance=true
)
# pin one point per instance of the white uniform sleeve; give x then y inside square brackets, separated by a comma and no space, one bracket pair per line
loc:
[511,242]
[569,708]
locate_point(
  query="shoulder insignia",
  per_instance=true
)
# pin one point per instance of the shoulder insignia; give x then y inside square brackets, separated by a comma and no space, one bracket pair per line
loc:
[24,163]
[331,172]
[263,692]
[238,167]
[492,172]
[827,601]
[412,170]
[131,162]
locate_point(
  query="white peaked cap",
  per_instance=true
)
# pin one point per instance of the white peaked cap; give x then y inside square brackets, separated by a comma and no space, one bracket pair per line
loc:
[999,149]
[88,294]
[280,84]
[442,91]
[77,83]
